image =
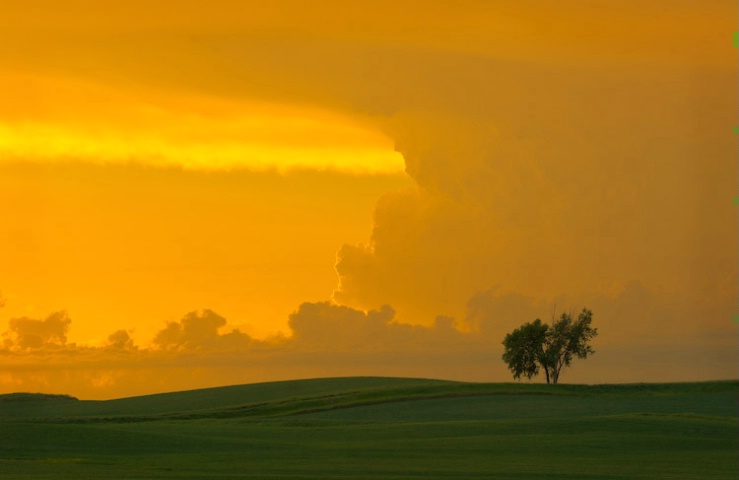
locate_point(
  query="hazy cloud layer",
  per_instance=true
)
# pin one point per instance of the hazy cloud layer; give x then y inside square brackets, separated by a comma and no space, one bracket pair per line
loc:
[641,339]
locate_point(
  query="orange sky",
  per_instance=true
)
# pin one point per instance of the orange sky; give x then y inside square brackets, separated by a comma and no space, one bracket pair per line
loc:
[363,188]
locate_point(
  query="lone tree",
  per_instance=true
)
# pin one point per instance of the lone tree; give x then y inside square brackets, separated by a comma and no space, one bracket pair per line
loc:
[550,347]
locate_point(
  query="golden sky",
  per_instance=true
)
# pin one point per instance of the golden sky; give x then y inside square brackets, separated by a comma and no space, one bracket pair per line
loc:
[204,193]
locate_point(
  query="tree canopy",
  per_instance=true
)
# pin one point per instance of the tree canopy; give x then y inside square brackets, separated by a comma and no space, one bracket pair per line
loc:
[536,345]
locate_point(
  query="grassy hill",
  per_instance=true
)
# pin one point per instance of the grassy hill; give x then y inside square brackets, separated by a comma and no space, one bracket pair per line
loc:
[362,428]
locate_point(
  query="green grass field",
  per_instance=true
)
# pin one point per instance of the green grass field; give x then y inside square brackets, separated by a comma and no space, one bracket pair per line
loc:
[362,428]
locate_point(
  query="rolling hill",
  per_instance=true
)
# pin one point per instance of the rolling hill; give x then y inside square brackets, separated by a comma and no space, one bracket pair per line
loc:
[379,428]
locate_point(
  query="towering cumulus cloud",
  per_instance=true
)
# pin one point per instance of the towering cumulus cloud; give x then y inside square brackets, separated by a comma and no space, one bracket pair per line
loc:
[547,180]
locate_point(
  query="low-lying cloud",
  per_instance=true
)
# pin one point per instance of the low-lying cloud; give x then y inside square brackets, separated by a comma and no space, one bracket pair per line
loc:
[121,340]
[29,334]
[199,331]
[327,339]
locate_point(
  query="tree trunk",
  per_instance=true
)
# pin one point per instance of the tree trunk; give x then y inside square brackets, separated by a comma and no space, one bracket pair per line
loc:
[546,370]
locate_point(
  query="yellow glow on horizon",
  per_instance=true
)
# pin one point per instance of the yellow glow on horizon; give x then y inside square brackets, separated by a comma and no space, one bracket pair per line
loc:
[53,143]
[79,121]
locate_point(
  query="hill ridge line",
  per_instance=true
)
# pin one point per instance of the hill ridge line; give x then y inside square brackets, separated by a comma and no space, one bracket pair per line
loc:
[291,407]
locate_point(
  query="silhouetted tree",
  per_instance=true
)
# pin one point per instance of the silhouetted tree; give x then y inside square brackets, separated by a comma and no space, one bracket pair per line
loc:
[551,347]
